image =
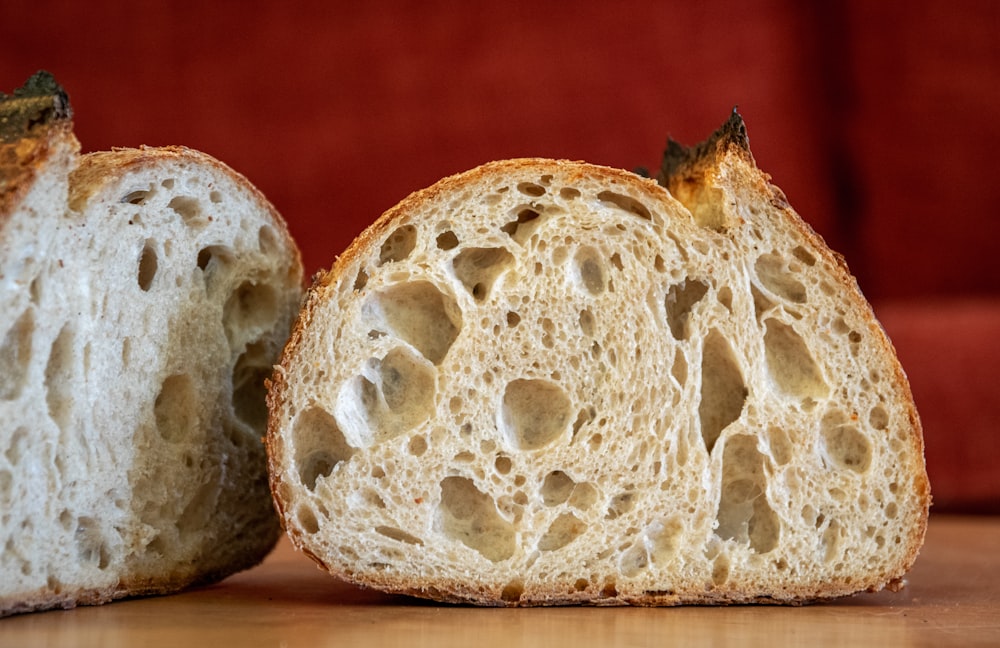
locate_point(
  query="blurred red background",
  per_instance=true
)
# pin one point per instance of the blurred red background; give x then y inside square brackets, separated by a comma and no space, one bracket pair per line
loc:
[879,120]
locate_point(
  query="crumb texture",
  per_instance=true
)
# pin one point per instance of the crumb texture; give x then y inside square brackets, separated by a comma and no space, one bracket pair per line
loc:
[548,382]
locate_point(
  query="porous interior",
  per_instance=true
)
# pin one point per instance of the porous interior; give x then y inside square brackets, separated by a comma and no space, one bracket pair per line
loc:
[568,387]
[132,391]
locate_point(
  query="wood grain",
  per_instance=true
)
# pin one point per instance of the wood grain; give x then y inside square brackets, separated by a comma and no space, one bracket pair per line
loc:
[952,598]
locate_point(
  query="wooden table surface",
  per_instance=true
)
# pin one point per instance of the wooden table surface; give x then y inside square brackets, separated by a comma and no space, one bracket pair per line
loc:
[952,599]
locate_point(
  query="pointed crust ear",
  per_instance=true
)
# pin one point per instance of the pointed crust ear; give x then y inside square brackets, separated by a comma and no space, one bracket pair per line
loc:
[688,163]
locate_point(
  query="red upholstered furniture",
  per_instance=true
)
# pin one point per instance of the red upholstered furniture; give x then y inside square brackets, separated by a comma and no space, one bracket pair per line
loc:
[879,120]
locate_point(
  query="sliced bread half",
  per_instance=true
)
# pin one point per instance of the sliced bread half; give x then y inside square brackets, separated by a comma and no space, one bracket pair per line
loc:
[548,382]
[144,296]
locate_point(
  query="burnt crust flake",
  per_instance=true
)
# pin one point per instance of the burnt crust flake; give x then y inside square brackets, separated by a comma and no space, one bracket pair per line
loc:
[41,101]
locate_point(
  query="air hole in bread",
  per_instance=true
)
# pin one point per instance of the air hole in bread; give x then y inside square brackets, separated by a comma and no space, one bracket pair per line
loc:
[549,338]
[705,202]
[625,203]
[583,417]
[564,529]
[307,519]
[779,444]
[680,301]
[634,561]
[761,304]
[847,447]
[213,258]
[583,497]
[556,488]
[620,505]
[361,280]
[407,384]
[6,489]
[804,255]
[15,356]
[774,275]
[215,197]
[588,325]
[249,392]
[138,196]
[469,516]
[878,418]
[176,408]
[663,538]
[126,352]
[725,297]
[90,544]
[394,395]
[319,445]
[531,189]
[594,442]
[420,314]
[790,362]
[831,541]
[148,265]
[478,269]
[720,570]
[854,340]
[267,241]
[417,446]
[523,225]
[212,253]
[60,387]
[398,534]
[189,209]
[446,240]
[512,591]
[745,515]
[679,367]
[398,245]
[250,310]
[534,413]
[723,390]
[16,446]
[502,464]
[569,193]
[590,273]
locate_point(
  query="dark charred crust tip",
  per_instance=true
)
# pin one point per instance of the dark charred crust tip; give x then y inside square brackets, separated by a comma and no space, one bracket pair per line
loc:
[678,158]
[41,101]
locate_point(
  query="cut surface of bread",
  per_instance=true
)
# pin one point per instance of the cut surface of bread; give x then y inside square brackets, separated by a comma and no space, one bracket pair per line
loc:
[547,382]
[144,296]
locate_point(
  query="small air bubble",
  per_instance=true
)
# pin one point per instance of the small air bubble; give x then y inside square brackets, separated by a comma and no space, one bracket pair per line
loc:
[137,197]
[148,264]
[531,189]
[447,240]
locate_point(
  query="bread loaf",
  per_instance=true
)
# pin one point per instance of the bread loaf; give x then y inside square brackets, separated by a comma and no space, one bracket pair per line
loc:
[144,296]
[547,382]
